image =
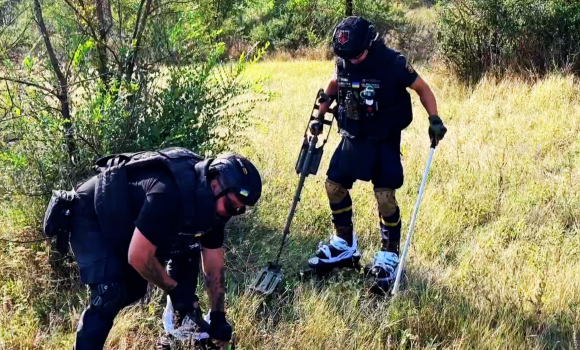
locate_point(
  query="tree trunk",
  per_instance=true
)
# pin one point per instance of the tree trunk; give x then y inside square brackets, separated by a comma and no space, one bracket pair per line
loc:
[140,24]
[62,91]
[348,6]
[103,12]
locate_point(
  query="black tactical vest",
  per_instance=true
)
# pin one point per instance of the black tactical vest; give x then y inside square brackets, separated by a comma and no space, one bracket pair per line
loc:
[359,114]
[112,203]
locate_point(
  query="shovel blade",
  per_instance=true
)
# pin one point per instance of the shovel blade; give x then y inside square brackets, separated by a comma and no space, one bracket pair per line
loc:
[267,280]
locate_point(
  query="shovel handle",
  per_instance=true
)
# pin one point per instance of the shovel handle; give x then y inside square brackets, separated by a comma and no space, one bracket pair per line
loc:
[412,225]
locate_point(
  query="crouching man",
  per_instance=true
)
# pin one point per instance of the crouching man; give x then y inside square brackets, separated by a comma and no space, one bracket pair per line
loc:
[148,208]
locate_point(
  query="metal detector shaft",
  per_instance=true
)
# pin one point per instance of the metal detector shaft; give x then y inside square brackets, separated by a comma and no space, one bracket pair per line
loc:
[303,175]
[412,225]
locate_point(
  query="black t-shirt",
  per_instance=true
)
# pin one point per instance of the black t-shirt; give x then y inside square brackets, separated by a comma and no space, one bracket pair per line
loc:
[156,207]
[404,73]
[393,111]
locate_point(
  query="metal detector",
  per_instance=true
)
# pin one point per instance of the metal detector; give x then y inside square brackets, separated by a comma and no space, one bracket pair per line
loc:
[307,164]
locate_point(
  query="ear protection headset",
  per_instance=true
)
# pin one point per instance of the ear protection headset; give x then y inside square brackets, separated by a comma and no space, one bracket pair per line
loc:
[372,35]
[228,171]
[234,174]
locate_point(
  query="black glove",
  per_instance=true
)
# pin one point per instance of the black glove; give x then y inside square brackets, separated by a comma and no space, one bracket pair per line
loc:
[316,127]
[219,328]
[436,129]
[182,300]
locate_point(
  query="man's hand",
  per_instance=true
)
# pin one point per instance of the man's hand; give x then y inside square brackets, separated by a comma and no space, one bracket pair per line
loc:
[331,90]
[219,327]
[214,277]
[316,127]
[436,129]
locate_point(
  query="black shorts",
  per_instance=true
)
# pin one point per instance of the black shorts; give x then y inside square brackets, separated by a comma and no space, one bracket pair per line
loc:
[378,161]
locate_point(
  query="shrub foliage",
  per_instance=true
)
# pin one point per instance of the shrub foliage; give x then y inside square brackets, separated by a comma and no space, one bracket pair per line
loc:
[521,36]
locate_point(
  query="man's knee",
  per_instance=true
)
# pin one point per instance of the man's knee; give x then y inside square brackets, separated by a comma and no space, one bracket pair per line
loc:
[96,321]
[335,191]
[386,201]
[108,299]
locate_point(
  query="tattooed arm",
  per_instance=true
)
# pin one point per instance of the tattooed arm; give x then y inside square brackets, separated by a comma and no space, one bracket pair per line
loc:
[214,277]
[142,258]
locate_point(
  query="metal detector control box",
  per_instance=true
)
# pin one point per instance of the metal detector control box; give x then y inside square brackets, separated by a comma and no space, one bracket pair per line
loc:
[316,156]
[308,163]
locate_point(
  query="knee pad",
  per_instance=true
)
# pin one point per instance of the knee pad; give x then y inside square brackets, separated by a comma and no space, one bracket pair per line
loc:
[386,201]
[335,191]
[108,299]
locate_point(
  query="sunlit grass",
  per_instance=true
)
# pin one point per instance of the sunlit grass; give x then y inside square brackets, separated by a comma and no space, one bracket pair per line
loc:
[494,261]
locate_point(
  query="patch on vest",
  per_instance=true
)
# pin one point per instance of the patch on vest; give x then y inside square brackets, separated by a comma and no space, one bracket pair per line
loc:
[144,155]
[177,152]
[410,68]
[342,36]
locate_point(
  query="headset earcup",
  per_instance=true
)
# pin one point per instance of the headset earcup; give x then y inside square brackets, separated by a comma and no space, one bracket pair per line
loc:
[227,173]
[371,34]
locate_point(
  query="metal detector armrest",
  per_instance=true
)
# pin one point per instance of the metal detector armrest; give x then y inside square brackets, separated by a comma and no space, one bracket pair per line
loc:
[322,97]
[326,121]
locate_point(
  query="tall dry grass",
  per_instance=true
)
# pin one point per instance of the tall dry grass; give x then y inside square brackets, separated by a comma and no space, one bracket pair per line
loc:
[494,261]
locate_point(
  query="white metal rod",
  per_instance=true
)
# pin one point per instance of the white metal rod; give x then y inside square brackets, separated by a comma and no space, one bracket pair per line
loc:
[412,225]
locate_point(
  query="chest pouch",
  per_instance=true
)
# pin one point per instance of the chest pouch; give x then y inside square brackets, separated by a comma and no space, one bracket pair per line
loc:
[348,106]
[352,105]
[58,217]
[369,104]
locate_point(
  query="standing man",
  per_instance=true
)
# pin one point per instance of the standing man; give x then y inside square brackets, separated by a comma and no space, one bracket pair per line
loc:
[370,84]
[148,208]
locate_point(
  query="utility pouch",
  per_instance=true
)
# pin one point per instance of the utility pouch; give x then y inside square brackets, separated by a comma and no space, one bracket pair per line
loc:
[312,168]
[185,246]
[352,106]
[57,218]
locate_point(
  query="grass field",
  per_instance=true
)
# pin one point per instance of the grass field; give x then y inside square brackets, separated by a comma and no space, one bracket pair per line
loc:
[494,262]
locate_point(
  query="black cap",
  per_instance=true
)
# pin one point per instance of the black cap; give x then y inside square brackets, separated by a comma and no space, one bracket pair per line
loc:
[352,36]
[239,176]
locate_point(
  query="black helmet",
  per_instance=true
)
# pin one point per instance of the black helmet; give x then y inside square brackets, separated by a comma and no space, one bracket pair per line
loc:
[352,36]
[238,175]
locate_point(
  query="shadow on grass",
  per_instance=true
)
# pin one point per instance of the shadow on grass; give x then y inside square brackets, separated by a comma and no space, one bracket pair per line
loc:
[426,313]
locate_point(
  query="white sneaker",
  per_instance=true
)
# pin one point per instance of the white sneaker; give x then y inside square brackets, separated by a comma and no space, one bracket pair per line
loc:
[334,252]
[385,266]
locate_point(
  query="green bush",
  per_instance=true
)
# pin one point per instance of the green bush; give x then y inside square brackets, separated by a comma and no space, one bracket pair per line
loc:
[189,98]
[199,106]
[293,24]
[499,36]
